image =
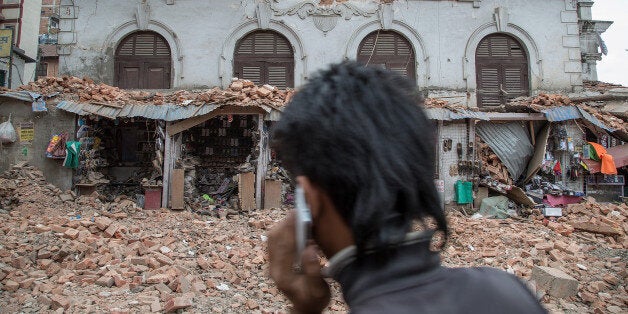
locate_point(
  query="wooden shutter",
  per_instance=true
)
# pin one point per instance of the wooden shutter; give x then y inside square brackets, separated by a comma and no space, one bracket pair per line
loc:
[143,61]
[501,70]
[265,57]
[390,50]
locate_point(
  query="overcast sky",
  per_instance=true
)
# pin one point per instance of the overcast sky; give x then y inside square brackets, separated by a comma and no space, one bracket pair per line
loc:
[614,67]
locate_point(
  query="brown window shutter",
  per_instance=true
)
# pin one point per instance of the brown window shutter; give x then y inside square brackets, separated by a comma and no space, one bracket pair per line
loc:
[265,57]
[501,70]
[143,60]
[390,50]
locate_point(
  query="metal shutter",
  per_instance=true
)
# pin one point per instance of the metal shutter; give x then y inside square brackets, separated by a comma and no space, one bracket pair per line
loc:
[501,70]
[265,57]
[143,61]
[390,50]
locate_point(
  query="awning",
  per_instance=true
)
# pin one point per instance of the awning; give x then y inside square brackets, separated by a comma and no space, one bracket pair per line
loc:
[445,114]
[565,113]
[620,156]
[166,112]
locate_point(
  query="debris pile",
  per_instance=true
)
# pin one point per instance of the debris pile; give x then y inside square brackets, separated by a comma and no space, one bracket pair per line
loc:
[600,87]
[80,254]
[85,90]
[491,163]
[61,253]
[588,243]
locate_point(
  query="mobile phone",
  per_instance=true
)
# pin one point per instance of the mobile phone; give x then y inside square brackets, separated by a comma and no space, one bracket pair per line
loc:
[303,225]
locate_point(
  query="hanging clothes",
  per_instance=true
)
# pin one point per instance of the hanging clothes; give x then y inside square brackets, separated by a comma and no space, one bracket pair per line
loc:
[73,149]
[557,169]
[598,153]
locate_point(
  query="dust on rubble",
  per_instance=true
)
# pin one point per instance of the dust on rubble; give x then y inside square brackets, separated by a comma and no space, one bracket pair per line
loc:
[62,253]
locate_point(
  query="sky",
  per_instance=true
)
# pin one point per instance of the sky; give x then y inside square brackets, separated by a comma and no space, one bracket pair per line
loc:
[614,67]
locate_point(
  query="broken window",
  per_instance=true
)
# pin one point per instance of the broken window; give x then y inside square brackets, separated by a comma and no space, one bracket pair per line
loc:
[265,57]
[388,50]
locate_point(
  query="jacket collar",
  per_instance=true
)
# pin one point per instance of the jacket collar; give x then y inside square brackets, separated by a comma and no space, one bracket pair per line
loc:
[379,272]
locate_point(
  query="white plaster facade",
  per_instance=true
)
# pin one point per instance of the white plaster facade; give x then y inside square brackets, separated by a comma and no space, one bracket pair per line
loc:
[444,34]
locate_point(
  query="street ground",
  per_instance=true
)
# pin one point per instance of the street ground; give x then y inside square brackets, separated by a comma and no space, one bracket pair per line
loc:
[82,255]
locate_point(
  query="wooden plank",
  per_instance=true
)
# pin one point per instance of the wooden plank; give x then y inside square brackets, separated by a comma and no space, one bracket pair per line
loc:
[177,186]
[261,161]
[246,190]
[514,116]
[272,194]
[167,168]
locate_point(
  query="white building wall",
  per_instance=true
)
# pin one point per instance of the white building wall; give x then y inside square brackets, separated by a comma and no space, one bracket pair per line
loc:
[444,34]
[29,38]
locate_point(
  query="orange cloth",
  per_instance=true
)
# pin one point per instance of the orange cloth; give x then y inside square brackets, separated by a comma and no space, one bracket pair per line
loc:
[608,165]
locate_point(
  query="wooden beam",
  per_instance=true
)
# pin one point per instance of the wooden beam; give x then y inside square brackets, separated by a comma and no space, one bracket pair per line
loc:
[261,162]
[167,170]
[225,110]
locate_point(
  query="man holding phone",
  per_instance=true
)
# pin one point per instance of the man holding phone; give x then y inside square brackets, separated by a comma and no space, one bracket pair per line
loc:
[362,151]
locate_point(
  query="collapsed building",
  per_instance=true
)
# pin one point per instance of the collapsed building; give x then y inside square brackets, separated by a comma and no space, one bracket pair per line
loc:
[203,150]
[207,150]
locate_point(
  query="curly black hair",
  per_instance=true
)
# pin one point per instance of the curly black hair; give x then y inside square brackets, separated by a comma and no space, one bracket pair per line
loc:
[360,133]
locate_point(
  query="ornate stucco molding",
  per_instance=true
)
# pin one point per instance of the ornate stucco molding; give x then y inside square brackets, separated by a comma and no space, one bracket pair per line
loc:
[325,17]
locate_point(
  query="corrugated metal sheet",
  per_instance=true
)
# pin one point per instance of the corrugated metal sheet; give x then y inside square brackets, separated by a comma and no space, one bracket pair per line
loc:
[468,114]
[572,113]
[445,114]
[21,95]
[510,142]
[587,116]
[167,112]
[440,114]
[563,113]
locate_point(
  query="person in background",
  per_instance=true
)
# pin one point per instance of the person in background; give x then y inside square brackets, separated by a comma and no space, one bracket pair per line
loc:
[360,146]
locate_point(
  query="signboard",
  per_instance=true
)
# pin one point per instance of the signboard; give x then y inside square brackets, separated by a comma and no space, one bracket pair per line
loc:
[27,132]
[6,41]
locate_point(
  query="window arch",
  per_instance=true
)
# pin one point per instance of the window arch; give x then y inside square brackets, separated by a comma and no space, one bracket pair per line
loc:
[265,57]
[389,50]
[501,70]
[143,60]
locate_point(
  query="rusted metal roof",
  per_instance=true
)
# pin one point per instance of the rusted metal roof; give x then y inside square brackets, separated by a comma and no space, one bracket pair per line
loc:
[21,95]
[565,113]
[166,112]
[445,114]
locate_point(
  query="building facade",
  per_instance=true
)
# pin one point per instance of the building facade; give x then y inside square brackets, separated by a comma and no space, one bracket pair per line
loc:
[473,52]
[48,61]
[23,17]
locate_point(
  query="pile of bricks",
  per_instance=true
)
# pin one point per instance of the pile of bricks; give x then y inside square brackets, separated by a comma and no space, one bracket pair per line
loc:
[85,90]
[62,253]
[491,164]
[576,263]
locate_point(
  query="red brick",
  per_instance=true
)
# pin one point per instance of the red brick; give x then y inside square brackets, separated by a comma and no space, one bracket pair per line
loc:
[105,281]
[102,222]
[177,303]
[59,301]
[71,234]
[11,286]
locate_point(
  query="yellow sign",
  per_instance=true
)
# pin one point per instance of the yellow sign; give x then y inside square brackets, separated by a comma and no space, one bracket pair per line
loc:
[27,132]
[6,41]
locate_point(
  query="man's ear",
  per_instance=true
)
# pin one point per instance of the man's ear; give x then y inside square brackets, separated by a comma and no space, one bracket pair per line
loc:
[313,196]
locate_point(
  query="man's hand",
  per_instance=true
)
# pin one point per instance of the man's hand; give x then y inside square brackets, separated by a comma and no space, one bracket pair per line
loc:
[308,291]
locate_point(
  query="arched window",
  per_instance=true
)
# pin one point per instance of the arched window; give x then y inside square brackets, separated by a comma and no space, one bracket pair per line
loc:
[143,61]
[501,68]
[389,50]
[264,57]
